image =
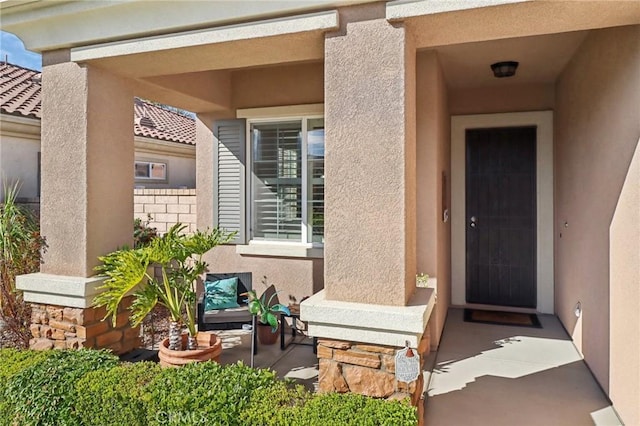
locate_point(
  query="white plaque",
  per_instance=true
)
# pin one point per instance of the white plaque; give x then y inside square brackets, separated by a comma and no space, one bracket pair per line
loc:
[407,367]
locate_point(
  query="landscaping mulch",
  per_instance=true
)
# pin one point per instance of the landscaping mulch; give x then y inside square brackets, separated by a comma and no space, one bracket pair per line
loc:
[8,340]
[155,327]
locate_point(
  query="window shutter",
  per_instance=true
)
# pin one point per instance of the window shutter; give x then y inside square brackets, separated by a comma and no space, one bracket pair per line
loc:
[229,177]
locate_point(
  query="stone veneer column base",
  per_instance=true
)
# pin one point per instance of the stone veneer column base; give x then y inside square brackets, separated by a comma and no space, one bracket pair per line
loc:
[60,327]
[367,369]
[358,342]
[62,316]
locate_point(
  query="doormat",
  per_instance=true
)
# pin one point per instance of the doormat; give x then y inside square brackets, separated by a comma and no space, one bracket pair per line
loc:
[502,318]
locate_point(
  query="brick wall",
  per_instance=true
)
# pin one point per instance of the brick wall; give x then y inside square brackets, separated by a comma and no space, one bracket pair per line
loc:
[166,207]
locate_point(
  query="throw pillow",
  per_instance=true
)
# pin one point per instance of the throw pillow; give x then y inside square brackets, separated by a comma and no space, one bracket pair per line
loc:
[221,294]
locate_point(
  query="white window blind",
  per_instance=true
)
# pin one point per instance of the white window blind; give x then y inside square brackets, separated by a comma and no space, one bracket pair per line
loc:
[277,180]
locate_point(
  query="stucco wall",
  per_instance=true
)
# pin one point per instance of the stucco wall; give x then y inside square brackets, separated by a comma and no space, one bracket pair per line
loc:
[253,88]
[433,159]
[181,171]
[87,152]
[597,132]
[508,98]
[278,86]
[624,350]
[19,161]
[370,160]
[20,145]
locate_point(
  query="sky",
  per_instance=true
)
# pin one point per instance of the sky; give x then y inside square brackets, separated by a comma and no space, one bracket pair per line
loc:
[12,47]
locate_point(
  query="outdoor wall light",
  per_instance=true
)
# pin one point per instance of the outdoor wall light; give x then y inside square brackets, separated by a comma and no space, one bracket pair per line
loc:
[504,69]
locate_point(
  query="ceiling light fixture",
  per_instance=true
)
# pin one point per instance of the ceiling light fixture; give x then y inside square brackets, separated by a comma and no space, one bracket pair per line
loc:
[504,69]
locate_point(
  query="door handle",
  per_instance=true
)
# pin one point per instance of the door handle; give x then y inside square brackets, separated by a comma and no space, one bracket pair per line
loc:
[473,221]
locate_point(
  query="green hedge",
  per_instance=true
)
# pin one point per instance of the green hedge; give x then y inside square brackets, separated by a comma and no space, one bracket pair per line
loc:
[12,362]
[44,393]
[208,393]
[92,388]
[293,405]
[114,396]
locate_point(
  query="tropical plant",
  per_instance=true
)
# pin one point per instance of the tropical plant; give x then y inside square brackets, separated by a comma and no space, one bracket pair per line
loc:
[265,310]
[179,257]
[21,248]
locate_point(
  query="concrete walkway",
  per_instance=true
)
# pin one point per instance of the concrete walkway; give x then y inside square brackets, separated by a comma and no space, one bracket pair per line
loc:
[502,375]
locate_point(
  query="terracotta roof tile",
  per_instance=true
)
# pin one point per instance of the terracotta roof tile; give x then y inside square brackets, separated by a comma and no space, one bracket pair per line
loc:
[20,94]
[20,91]
[156,122]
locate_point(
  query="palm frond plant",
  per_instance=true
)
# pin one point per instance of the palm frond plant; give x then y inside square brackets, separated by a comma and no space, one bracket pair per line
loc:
[179,256]
[21,249]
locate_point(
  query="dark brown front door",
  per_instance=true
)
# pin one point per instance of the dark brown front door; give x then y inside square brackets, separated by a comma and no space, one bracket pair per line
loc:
[501,216]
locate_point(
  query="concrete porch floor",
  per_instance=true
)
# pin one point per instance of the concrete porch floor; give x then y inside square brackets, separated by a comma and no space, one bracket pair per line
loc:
[297,362]
[501,375]
[481,375]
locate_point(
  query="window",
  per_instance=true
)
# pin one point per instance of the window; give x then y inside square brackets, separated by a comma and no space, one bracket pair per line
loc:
[268,180]
[287,179]
[146,170]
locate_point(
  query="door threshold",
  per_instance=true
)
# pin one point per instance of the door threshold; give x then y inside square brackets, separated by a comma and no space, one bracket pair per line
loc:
[496,308]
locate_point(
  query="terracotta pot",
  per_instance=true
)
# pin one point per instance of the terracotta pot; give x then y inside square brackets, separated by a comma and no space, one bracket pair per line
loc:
[265,336]
[209,348]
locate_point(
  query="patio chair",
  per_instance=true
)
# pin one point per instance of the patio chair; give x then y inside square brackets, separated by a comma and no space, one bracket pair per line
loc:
[224,319]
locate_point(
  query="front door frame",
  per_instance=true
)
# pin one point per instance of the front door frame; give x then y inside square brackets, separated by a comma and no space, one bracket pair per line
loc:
[543,121]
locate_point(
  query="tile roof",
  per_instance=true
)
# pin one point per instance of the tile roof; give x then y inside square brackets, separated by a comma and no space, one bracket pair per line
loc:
[20,94]
[154,121]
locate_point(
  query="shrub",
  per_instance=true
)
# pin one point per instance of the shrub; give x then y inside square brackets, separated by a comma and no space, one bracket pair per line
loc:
[286,405]
[203,393]
[352,409]
[276,405]
[87,387]
[143,234]
[113,397]
[12,362]
[21,248]
[44,393]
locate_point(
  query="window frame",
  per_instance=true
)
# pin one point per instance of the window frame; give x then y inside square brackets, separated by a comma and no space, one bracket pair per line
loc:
[304,226]
[150,179]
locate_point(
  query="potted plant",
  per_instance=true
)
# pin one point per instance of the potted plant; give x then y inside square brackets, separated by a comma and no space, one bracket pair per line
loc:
[266,312]
[179,256]
[422,280]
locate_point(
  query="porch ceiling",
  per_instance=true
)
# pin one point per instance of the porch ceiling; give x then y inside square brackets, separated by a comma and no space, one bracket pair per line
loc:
[296,47]
[438,26]
[192,69]
[541,35]
[541,58]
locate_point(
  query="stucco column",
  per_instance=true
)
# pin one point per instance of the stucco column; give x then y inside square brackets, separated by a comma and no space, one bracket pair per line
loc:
[370,224]
[87,173]
[86,204]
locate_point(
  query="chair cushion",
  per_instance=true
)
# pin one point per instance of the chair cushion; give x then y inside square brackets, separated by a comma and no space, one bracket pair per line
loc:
[221,294]
[240,314]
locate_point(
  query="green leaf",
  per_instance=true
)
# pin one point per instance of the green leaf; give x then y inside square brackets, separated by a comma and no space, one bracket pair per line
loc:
[144,301]
[278,307]
[272,321]
[125,269]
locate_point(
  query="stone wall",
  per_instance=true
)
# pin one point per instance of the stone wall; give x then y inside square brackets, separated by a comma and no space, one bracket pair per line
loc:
[59,327]
[166,207]
[367,369]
